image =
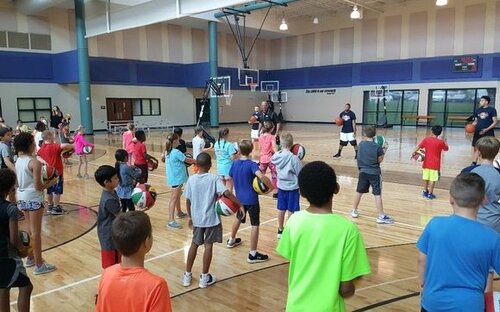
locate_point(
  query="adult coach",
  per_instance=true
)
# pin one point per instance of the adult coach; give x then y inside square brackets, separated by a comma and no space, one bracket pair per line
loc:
[268,114]
[348,131]
[485,120]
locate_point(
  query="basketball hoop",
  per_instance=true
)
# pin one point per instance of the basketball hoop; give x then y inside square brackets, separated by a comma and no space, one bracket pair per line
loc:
[253,86]
[228,98]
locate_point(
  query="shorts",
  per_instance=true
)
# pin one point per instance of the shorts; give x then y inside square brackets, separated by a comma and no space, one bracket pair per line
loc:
[430,175]
[176,186]
[477,136]
[29,205]
[254,134]
[347,137]
[253,211]
[366,180]
[288,200]
[13,273]
[110,257]
[57,188]
[207,235]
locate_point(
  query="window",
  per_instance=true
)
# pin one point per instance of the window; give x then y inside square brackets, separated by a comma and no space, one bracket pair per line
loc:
[147,107]
[397,103]
[31,109]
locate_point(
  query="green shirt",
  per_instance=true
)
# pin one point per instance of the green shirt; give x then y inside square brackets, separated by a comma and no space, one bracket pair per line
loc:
[324,250]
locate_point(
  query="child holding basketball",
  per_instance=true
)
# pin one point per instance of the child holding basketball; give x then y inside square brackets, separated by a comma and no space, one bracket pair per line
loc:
[30,197]
[141,156]
[12,271]
[434,146]
[267,143]
[225,153]
[199,145]
[80,144]
[254,133]
[128,286]
[456,252]
[326,251]
[109,209]
[288,167]
[128,137]
[202,190]
[243,171]
[369,157]
[176,177]
[128,177]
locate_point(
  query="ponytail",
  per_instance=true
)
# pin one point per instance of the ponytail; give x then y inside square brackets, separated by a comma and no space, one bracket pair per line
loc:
[169,143]
[121,156]
[222,134]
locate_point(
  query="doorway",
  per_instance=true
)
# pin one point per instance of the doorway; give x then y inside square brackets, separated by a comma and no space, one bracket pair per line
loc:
[119,109]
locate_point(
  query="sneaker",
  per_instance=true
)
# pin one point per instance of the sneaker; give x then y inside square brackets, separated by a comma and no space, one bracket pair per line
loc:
[174,225]
[336,155]
[207,281]
[257,258]
[430,196]
[425,194]
[56,210]
[354,213]
[237,241]
[79,176]
[275,196]
[186,279]
[50,207]
[181,215]
[29,263]
[385,219]
[280,232]
[44,268]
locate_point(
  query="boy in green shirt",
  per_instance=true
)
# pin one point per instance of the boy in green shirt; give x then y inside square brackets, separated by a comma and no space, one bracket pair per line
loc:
[326,251]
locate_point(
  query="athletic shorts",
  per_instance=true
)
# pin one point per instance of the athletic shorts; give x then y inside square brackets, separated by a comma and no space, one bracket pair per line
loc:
[288,200]
[253,211]
[366,180]
[110,257]
[207,235]
[477,136]
[29,205]
[13,273]
[347,137]
[430,175]
[254,134]
[57,188]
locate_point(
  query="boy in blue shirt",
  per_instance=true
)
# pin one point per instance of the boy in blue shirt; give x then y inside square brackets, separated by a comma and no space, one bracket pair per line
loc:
[243,171]
[456,252]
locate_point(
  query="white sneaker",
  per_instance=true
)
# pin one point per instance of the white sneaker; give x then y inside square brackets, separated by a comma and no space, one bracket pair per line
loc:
[385,219]
[354,213]
[209,280]
[186,279]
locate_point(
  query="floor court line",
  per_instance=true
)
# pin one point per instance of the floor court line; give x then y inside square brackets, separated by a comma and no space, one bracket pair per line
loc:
[387,283]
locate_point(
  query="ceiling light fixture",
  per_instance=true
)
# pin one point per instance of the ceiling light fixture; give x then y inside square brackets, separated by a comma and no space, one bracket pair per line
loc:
[315,20]
[283,26]
[441,2]
[355,13]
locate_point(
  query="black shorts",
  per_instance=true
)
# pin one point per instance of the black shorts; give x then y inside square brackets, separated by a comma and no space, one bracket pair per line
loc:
[13,273]
[253,211]
[144,173]
[366,180]
[477,136]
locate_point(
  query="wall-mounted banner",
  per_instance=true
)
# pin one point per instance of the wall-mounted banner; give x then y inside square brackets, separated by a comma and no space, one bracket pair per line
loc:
[324,91]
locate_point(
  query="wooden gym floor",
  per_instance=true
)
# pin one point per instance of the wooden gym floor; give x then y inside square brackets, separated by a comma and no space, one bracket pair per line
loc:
[70,241]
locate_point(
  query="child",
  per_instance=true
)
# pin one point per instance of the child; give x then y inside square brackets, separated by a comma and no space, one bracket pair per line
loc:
[369,157]
[129,286]
[182,144]
[288,167]
[456,252]
[128,176]
[80,143]
[267,142]
[199,145]
[326,251]
[30,197]
[5,151]
[254,133]
[128,137]
[50,153]
[39,128]
[141,155]
[176,177]
[225,153]
[109,208]
[66,137]
[12,271]
[433,146]
[201,193]
[243,171]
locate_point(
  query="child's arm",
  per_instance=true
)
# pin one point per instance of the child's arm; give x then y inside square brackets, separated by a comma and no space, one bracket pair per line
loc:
[347,289]
[114,207]
[422,259]
[188,209]
[9,163]
[267,182]
[148,157]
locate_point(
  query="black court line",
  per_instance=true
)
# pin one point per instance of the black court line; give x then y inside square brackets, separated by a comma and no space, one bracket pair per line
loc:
[385,302]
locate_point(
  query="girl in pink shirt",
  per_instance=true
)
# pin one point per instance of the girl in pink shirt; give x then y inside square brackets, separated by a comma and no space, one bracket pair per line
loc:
[267,143]
[128,138]
[80,143]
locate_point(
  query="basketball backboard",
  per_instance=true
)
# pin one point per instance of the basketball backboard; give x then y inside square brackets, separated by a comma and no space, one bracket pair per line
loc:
[224,85]
[247,76]
[269,86]
[279,97]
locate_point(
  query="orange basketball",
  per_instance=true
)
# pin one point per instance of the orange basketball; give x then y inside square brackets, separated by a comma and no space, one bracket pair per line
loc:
[339,121]
[253,119]
[470,128]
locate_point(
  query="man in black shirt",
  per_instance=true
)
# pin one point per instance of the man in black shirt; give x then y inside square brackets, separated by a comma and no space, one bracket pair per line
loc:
[268,114]
[348,132]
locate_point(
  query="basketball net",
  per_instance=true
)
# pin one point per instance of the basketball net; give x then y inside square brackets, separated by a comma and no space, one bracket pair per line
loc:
[228,99]
[253,87]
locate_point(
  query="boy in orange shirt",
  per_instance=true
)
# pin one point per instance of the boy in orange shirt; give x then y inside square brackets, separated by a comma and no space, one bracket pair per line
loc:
[128,286]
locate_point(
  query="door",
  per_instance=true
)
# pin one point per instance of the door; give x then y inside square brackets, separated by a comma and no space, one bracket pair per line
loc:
[205,119]
[119,109]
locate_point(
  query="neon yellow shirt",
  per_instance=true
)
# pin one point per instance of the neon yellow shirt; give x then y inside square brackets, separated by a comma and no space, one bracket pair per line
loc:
[324,250]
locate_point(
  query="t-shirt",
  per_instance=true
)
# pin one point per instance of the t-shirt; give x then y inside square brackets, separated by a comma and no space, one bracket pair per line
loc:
[347,117]
[433,149]
[202,190]
[128,136]
[243,172]
[459,253]
[324,250]
[5,152]
[484,117]
[489,213]
[51,153]
[132,290]
[271,116]
[266,141]
[109,206]
[255,125]
[38,140]
[223,151]
[368,154]
[139,151]
[8,212]
[198,146]
[176,168]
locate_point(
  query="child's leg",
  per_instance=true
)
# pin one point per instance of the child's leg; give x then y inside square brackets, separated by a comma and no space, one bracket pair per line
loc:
[426,185]
[281,219]
[379,205]
[254,237]
[274,177]
[235,228]
[193,249]
[35,220]
[85,164]
[50,199]
[357,199]
[24,298]
[180,213]
[431,186]
[4,299]
[207,258]
[80,163]
[175,197]
[57,199]
[229,184]
[123,204]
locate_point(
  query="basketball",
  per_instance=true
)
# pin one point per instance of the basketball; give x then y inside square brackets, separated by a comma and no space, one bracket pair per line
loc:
[418,155]
[144,196]
[339,121]
[260,187]
[48,173]
[226,207]
[152,164]
[470,128]
[66,153]
[27,243]
[253,119]
[381,141]
[298,150]
[88,149]
[188,155]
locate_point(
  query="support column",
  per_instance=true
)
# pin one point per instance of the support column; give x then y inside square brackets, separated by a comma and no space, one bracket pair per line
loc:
[83,68]
[212,61]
